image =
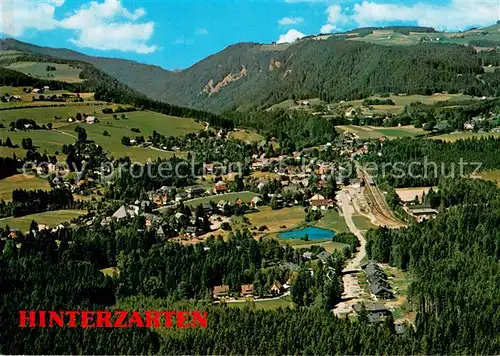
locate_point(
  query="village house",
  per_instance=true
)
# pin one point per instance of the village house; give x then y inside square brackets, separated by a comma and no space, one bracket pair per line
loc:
[380,292]
[208,168]
[160,198]
[421,212]
[124,212]
[379,287]
[318,202]
[247,290]
[277,288]
[181,197]
[220,187]
[351,112]
[221,204]
[221,291]
[469,126]
[256,202]
[91,120]
[162,231]
[323,256]
[207,208]
[194,192]
[152,220]
[193,231]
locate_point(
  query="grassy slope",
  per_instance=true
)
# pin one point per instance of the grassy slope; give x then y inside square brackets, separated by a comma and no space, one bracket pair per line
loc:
[52,141]
[50,218]
[333,221]
[20,181]
[368,132]
[63,72]
[274,219]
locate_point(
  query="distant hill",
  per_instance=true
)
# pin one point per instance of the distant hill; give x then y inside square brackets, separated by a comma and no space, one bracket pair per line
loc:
[330,67]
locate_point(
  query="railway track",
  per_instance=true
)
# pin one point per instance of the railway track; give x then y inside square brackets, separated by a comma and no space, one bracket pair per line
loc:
[378,205]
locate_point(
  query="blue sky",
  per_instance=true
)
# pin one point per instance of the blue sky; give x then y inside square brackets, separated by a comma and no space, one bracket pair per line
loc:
[177,33]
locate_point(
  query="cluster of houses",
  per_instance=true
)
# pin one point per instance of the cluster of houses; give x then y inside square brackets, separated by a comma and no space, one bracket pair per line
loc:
[246,290]
[40,90]
[165,195]
[413,207]
[377,278]
[377,313]
[10,98]
[88,119]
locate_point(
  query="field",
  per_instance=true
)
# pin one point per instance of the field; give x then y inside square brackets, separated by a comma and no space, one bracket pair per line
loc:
[371,132]
[230,197]
[44,115]
[50,218]
[333,221]
[454,136]
[401,100]
[290,104]
[493,176]
[246,136]
[328,245]
[63,72]
[21,181]
[391,38]
[275,219]
[52,141]
[362,222]
[266,304]
[408,194]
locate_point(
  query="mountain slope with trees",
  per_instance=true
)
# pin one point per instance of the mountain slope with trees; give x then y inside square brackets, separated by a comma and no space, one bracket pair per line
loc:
[250,74]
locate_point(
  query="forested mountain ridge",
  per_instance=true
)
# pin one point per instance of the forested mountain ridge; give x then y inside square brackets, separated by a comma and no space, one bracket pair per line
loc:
[251,74]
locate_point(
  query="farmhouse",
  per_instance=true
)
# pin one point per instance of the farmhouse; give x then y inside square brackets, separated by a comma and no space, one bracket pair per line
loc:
[351,112]
[277,288]
[247,290]
[256,202]
[320,202]
[421,212]
[124,212]
[195,192]
[221,291]
[91,120]
[323,256]
[220,187]
[381,292]
[193,231]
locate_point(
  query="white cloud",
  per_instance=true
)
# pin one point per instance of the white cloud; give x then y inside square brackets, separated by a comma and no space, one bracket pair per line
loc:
[336,16]
[290,37]
[286,21]
[201,32]
[299,1]
[18,16]
[327,28]
[108,25]
[456,15]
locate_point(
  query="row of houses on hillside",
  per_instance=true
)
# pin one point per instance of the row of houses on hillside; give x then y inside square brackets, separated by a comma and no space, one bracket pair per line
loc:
[377,278]
[247,290]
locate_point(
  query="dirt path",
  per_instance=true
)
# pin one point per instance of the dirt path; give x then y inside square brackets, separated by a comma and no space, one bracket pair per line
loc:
[348,211]
[64,133]
[352,290]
